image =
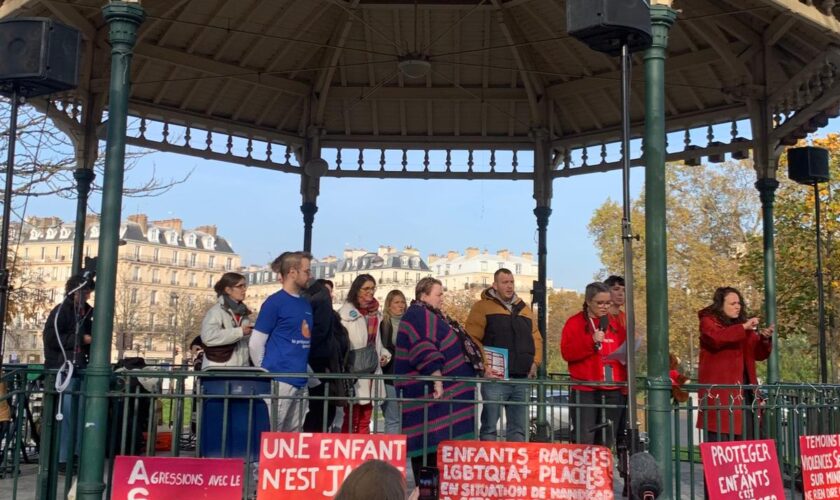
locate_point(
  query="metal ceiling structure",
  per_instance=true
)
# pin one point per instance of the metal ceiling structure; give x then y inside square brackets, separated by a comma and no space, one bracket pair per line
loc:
[460,89]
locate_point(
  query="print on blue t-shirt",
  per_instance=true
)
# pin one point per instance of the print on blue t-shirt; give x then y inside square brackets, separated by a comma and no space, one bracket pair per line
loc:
[288,322]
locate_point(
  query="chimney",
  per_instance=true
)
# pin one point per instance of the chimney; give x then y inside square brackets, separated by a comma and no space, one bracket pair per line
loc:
[410,250]
[432,258]
[451,255]
[211,230]
[176,224]
[384,250]
[141,220]
[472,252]
[91,219]
[504,253]
[527,256]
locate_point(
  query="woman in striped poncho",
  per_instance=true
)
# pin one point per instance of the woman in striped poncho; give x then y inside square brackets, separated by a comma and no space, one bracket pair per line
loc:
[428,345]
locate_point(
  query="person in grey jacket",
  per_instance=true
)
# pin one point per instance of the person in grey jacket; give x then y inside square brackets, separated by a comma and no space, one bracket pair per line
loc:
[227,327]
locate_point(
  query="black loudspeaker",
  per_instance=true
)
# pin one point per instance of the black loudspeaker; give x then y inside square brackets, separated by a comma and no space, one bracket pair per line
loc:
[38,55]
[808,165]
[605,25]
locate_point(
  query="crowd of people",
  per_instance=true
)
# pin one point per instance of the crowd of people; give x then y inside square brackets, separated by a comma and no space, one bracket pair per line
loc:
[298,332]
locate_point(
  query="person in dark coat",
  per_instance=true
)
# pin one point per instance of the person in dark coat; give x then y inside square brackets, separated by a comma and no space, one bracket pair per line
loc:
[730,344]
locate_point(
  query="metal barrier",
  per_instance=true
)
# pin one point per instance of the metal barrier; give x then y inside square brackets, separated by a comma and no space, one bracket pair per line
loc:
[172,413]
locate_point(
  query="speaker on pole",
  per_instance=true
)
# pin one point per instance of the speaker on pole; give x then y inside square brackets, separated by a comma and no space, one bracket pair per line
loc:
[606,25]
[808,165]
[39,56]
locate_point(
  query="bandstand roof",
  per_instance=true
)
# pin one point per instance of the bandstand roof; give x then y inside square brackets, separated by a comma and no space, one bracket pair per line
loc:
[270,72]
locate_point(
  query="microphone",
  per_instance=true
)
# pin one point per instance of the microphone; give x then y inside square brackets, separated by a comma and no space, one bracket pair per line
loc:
[645,480]
[603,324]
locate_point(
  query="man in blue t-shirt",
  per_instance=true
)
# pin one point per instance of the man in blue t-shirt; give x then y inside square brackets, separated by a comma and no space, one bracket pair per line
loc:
[281,338]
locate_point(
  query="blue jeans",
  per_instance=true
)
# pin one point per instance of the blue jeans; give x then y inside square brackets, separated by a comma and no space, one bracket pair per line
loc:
[494,395]
[68,402]
[391,409]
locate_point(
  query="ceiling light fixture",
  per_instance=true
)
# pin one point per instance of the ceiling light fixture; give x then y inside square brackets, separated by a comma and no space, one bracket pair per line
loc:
[414,65]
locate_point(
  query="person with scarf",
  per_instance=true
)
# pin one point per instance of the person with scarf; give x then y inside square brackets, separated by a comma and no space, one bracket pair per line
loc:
[395,305]
[431,344]
[361,317]
[226,328]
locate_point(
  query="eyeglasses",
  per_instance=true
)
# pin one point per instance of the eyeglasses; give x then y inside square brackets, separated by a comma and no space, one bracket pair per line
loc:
[603,303]
[368,289]
[241,285]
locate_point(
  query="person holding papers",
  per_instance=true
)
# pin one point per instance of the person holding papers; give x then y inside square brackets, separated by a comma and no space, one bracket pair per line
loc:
[504,326]
[588,339]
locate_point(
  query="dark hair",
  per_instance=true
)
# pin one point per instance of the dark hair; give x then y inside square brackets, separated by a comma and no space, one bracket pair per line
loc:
[614,280]
[324,282]
[227,280]
[716,307]
[288,261]
[501,270]
[358,283]
[592,290]
[373,479]
[76,281]
[425,285]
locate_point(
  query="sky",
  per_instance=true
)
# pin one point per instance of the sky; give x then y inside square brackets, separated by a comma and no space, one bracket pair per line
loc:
[258,211]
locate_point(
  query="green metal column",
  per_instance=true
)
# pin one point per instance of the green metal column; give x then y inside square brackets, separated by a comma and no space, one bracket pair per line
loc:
[659,385]
[123,19]
[767,192]
[84,177]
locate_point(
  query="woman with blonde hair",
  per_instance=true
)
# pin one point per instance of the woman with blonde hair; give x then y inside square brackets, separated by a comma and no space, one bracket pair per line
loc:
[395,305]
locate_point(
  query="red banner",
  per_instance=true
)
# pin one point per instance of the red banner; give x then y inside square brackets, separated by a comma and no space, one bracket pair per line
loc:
[742,470]
[310,466]
[820,466]
[151,478]
[487,470]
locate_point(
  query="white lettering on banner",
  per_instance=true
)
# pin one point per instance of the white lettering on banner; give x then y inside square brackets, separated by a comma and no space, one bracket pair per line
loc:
[745,453]
[138,473]
[135,493]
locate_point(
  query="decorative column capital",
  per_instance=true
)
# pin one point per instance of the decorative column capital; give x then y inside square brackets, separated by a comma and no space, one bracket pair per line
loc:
[123,19]
[309,209]
[84,177]
[542,213]
[767,189]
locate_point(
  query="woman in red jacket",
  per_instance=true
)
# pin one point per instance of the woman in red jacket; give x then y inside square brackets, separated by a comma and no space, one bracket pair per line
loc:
[730,344]
[588,338]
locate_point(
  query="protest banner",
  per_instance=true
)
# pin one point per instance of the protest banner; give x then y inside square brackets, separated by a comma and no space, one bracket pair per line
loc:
[742,470]
[309,466]
[151,478]
[820,466]
[489,470]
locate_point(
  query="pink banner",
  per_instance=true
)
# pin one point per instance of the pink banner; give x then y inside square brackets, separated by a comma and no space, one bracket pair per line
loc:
[306,466]
[820,466]
[742,470]
[502,470]
[152,478]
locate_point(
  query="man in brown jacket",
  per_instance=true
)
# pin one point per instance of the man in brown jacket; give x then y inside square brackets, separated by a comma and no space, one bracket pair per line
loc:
[502,320]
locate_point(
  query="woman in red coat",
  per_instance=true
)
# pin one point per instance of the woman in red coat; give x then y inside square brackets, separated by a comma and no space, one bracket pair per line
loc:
[730,344]
[588,338]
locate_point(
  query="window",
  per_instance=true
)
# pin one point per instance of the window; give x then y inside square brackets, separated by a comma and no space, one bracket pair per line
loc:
[155,276]
[501,264]
[136,252]
[156,255]
[57,252]
[193,280]
[193,259]
[151,321]
[407,276]
[135,273]
[228,264]
[26,252]
[518,268]
[173,278]
[484,266]
[209,281]
[133,297]
[153,297]
[94,232]
[175,257]
[190,240]
[211,261]
[173,301]
[43,253]
[148,339]
[396,277]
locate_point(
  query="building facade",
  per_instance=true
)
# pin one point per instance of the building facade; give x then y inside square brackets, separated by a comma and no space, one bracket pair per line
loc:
[474,269]
[165,278]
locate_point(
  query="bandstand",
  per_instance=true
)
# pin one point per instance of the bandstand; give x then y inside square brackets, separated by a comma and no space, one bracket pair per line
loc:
[436,89]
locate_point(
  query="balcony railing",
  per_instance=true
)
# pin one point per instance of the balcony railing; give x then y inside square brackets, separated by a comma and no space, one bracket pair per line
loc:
[195,409]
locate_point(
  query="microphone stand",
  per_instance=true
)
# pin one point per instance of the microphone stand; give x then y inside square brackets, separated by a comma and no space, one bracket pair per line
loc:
[631,437]
[7,213]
